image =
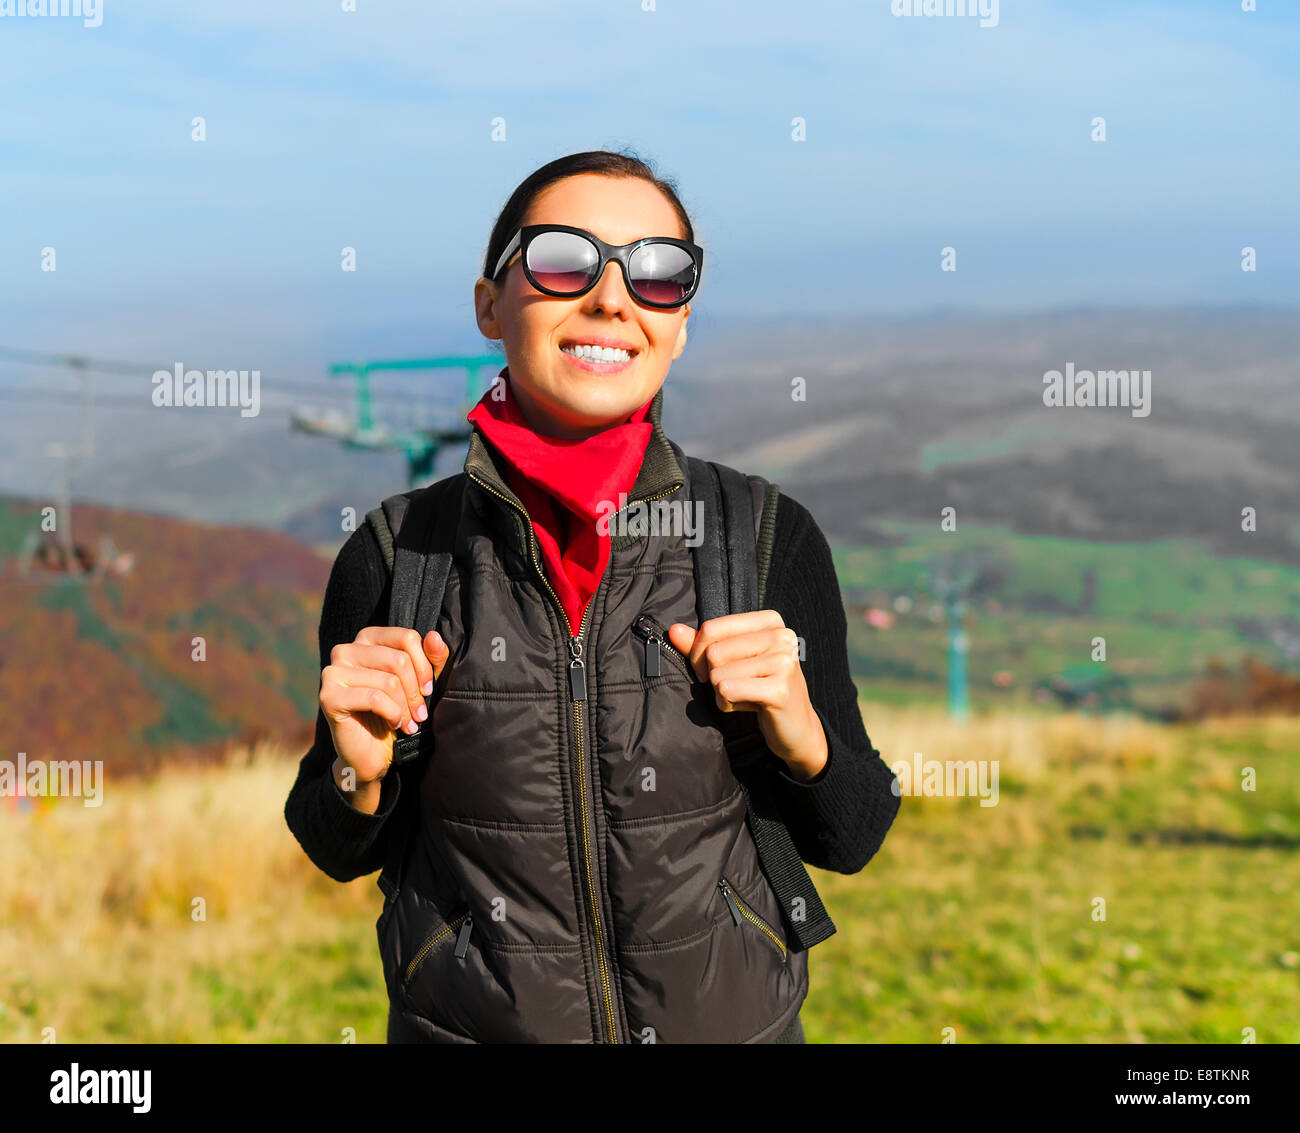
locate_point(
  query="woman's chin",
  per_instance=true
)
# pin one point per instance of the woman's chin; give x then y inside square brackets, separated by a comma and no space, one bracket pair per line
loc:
[591,408]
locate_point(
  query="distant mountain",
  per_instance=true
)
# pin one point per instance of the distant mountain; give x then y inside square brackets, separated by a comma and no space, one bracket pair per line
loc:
[901,419]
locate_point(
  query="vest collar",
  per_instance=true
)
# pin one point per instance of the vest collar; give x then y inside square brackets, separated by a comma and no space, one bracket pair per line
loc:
[660,471]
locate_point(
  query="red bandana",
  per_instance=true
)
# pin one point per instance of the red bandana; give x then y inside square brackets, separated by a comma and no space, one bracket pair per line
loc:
[560,482]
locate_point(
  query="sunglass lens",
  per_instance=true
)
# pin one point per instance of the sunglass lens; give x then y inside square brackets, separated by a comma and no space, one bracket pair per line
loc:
[562,261]
[662,273]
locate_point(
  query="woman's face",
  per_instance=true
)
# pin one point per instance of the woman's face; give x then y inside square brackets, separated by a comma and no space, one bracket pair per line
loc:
[558,394]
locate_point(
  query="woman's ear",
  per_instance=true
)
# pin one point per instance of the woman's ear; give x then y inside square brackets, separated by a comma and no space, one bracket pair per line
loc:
[680,344]
[486,294]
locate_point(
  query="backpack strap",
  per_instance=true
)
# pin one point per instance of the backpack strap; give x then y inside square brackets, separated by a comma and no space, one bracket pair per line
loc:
[766,534]
[739,518]
[382,527]
[416,532]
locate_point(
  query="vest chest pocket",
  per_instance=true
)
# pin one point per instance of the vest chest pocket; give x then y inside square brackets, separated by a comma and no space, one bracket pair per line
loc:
[742,914]
[460,925]
[655,645]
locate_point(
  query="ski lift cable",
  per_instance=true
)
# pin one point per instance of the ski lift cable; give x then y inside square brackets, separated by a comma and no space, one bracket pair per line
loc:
[137,369]
[105,365]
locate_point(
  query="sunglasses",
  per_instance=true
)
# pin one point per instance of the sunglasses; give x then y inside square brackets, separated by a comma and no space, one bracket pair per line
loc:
[566,262]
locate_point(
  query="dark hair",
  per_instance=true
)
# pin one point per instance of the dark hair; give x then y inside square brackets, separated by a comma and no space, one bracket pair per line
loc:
[622,164]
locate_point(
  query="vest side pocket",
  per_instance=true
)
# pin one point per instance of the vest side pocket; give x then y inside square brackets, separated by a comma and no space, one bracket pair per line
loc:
[458,926]
[742,913]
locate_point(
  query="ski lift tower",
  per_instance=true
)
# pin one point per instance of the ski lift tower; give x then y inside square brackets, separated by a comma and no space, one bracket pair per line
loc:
[954,579]
[45,560]
[421,443]
[71,455]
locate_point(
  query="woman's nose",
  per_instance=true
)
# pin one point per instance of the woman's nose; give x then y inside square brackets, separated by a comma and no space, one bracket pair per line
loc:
[610,292]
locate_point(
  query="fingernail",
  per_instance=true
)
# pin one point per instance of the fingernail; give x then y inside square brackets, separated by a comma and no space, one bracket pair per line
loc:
[411,727]
[427,690]
[422,714]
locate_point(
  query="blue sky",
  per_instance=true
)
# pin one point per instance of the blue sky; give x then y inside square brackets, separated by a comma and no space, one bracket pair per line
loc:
[372,129]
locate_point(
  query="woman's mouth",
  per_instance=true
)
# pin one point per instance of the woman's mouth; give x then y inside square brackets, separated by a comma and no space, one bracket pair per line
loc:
[596,359]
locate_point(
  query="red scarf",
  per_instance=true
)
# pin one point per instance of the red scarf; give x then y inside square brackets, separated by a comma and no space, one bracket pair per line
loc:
[560,482]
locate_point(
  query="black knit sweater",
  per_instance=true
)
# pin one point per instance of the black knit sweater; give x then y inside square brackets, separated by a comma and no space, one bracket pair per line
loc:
[837,820]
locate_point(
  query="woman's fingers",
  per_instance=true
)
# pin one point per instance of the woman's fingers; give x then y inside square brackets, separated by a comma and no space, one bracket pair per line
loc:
[397,662]
[750,643]
[340,700]
[723,639]
[387,659]
[437,651]
[387,682]
[771,663]
[408,641]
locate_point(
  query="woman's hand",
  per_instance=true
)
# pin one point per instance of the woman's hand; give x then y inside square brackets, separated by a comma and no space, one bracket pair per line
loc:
[370,689]
[752,661]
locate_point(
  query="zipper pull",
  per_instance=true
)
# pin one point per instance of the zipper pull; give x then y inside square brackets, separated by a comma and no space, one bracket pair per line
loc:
[652,657]
[731,901]
[650,662]
[577,671]
[462,937]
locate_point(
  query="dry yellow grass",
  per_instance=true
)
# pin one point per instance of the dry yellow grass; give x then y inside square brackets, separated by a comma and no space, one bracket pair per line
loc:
[100,904]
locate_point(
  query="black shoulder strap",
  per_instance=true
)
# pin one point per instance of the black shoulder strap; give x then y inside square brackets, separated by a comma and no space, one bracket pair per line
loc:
[731,566]
[416,532]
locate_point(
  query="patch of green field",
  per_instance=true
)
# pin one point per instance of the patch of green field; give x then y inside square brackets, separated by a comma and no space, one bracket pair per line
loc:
[15,526]
[970,450]
[1164,609]
[1174,577]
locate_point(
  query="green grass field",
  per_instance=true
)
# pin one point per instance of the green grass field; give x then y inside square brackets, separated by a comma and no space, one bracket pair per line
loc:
[982,919]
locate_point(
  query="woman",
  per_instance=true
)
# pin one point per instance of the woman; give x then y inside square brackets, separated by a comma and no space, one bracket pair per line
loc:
[579,867]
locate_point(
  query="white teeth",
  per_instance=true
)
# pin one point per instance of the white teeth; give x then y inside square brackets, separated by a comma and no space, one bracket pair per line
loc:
[597,353]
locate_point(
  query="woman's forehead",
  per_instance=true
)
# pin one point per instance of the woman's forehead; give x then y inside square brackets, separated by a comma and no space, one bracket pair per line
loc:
[618,210]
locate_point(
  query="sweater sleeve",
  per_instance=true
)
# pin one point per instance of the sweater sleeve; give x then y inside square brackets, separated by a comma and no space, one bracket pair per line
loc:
[839,819]
[343,842]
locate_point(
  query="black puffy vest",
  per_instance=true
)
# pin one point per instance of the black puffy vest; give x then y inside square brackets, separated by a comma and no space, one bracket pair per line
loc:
[580,869]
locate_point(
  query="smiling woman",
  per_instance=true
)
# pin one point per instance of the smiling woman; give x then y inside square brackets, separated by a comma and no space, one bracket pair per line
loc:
[613,242]
[568,853]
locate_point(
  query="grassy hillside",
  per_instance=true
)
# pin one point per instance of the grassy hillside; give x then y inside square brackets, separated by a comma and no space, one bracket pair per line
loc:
[108,669]
[976,918]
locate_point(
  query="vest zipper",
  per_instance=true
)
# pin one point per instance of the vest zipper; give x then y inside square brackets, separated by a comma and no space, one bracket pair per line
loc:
[462,937]
[656,642]
[578,695]
[463,922]
[740,909]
